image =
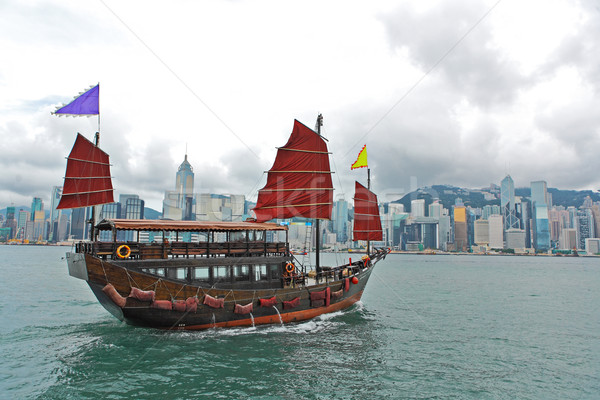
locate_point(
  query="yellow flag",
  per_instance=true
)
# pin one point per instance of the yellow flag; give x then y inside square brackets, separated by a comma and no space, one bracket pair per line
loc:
[361,160]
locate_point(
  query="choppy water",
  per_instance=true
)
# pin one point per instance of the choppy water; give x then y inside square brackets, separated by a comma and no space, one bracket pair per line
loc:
[428,327]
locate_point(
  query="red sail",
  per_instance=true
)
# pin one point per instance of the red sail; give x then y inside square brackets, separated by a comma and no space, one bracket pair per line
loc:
[299,182]
[87,180]
[367,223]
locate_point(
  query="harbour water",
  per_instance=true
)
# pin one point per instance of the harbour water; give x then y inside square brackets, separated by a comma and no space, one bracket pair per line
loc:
[428,327]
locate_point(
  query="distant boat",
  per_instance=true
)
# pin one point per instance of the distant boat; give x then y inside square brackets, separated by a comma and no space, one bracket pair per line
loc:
[231,273]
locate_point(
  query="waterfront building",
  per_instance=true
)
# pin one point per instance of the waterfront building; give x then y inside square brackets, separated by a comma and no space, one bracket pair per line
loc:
[585,227]
[541,226]
[23,217]
[444,231]
[482,232]
[596,213]
[11,222]
[422,231]
[496,231]
[55,213]
[61,228]
[38,217]
[515,239]
[568,239]
[460,228]
[592,246]
[507,203]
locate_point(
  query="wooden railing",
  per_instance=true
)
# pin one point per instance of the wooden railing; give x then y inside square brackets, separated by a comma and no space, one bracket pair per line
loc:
[184,249]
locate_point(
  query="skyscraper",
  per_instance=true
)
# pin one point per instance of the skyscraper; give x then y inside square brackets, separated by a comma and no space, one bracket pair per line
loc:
[54,213]
[340,220]
[507,203]
[179,204]
[496,231]
[460,228]
[539,200]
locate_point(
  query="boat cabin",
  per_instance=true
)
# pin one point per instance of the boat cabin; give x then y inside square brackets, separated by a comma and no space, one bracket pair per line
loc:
[209,254]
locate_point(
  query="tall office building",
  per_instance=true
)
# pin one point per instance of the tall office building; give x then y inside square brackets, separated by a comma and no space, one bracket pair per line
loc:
[460,228]
[340,220]
[179,204]
[22,224]
[507,203]
[38,217]
[54,213]
[585,227]
[496,226]
[541,225]
[36,205]
[482,232]
[11,222]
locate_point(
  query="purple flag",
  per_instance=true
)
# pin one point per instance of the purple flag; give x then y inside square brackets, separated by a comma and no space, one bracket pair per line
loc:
[86,103]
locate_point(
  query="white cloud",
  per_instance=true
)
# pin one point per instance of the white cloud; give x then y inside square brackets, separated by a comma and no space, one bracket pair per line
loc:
[228,78]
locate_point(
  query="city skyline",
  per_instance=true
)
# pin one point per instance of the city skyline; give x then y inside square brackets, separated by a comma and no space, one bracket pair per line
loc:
[159,207]
[459,93]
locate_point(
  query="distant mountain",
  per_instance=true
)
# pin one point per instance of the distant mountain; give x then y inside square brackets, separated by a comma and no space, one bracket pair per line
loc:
[150,213]
[447,195]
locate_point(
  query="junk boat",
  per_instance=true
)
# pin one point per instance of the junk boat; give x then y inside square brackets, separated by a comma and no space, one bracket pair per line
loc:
[221,274]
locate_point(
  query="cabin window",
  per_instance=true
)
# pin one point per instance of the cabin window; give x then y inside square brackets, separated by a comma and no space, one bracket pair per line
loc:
[241,273]
[274,271]
[221,273]
[181,273]
[237,236]
[160,271]
[256,236]
[202,273]
[260,273]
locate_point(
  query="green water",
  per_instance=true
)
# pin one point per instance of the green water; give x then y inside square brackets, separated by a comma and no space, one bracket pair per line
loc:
[428,327]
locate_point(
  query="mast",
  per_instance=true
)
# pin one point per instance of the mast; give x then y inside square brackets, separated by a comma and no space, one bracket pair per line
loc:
[368,187]
[317,257]
[93,217]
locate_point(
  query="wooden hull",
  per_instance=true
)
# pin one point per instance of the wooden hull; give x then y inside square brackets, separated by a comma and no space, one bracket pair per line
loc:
[98,273]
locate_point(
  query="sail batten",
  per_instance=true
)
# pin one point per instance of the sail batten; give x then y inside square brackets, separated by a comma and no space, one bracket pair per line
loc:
[299,182]
[367,222]
[87,177]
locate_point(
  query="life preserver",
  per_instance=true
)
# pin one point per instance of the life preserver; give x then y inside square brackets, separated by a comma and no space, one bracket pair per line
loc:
[290,268]
[127,251]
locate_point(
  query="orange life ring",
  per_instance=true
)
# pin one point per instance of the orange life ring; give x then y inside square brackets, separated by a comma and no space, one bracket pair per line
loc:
[290,268]
[127,251]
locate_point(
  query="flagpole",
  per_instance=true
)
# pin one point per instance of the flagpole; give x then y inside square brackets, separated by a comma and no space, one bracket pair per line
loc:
[98,110]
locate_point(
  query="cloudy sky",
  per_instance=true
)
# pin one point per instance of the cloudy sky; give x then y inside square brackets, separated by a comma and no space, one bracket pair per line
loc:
[441,92]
